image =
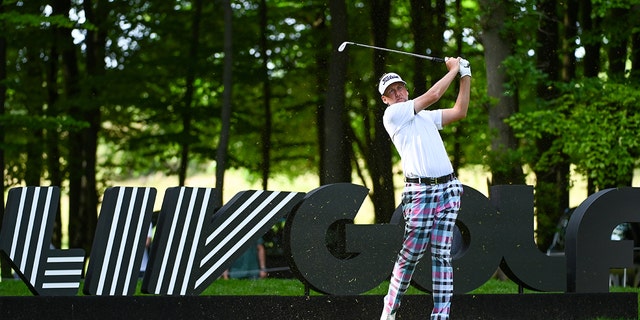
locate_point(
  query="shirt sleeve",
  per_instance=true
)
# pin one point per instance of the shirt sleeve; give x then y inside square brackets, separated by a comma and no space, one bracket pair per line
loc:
[436,117]
[397,115]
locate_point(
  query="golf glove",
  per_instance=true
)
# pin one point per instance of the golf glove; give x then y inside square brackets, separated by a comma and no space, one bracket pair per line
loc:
[465,68]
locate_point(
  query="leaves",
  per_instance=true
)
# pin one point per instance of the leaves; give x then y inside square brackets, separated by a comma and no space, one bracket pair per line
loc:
[597,127]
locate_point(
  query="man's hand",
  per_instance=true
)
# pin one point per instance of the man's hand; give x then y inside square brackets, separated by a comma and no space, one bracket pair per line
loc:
[465,68]
[453,64]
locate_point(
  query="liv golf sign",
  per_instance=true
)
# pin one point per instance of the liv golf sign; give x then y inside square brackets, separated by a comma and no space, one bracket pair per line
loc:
[194,243]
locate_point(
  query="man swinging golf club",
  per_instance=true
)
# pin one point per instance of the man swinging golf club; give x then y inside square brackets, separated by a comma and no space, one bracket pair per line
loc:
[431,195]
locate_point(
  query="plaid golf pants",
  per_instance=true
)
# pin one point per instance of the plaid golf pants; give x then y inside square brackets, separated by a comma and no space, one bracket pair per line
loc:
[430,212]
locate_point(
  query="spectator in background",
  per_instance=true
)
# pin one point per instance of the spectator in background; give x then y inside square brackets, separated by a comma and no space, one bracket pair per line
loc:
[147,247]
[252,264]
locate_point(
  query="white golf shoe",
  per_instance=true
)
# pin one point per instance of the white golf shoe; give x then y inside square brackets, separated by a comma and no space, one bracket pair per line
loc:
[386,316]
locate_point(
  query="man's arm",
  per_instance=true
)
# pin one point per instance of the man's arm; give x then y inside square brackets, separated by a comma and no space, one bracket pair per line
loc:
[459,110]
[439,88]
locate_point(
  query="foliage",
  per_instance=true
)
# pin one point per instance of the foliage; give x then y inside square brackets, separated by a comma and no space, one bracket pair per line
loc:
[597,126]
[150,118]
[146,60]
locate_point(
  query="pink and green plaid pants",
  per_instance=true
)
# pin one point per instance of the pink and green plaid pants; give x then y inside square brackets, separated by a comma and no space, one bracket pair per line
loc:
[430,213]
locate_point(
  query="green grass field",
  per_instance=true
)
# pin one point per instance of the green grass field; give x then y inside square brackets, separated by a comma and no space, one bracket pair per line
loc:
[271,286]
[292,287]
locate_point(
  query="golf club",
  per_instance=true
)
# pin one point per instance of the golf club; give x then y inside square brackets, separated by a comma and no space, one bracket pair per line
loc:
[344,45]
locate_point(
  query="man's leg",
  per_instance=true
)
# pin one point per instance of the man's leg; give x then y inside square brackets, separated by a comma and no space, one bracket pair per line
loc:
[416,238]
[441,239]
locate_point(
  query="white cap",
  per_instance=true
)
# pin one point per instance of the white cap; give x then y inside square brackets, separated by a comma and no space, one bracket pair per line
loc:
[387,79]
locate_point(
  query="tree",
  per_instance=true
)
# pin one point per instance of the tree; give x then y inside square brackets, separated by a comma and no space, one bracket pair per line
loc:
[266,97]
[33,122]
[634,74]
[33,96]
[590,40]
[602,118]
[83,194]
[379,153]
[506,168]
[608,152]
[552,175]
[616,23]
[335,155]
[61,46]
[428,23]
[221,152]
[5,271]
[564,122]
[188,99]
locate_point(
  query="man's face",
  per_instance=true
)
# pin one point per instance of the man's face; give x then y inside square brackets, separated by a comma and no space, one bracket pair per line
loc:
[396,92]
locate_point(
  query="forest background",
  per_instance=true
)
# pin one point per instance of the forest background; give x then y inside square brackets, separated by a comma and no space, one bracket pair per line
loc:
[97,91]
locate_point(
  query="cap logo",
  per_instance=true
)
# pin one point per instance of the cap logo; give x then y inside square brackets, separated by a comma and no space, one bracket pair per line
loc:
[389,77]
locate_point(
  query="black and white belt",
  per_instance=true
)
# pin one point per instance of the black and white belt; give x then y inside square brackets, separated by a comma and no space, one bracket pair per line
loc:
[431,180]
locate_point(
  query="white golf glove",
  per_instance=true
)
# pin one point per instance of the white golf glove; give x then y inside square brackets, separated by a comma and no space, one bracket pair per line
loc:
[465,68]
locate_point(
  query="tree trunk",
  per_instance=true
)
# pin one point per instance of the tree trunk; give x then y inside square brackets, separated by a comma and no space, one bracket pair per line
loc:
[83,195]
[336,161]
[569,43]
[552,193]
[185,142]
[459,131]
[380,151]
[504,169]
[617,57]
[34,99]
[321,75]
[71,76]
[591,64]
[227,78]
[266,97]
[634,76]
[428,23]
[61,37]
[420,16]
[617,51]
[5,267]
[589,26]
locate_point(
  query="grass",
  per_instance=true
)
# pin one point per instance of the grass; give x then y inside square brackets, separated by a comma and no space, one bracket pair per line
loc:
[231,287]
[293,287]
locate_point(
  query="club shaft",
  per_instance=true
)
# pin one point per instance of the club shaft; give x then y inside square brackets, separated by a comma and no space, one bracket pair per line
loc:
[397,51]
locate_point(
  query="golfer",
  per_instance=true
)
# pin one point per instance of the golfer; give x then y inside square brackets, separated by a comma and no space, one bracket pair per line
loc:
[431,195]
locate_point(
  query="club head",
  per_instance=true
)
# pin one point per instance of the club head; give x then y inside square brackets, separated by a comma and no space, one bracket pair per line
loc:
[342,46]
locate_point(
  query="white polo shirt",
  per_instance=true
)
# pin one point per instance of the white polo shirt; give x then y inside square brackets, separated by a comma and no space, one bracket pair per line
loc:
[417,140]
